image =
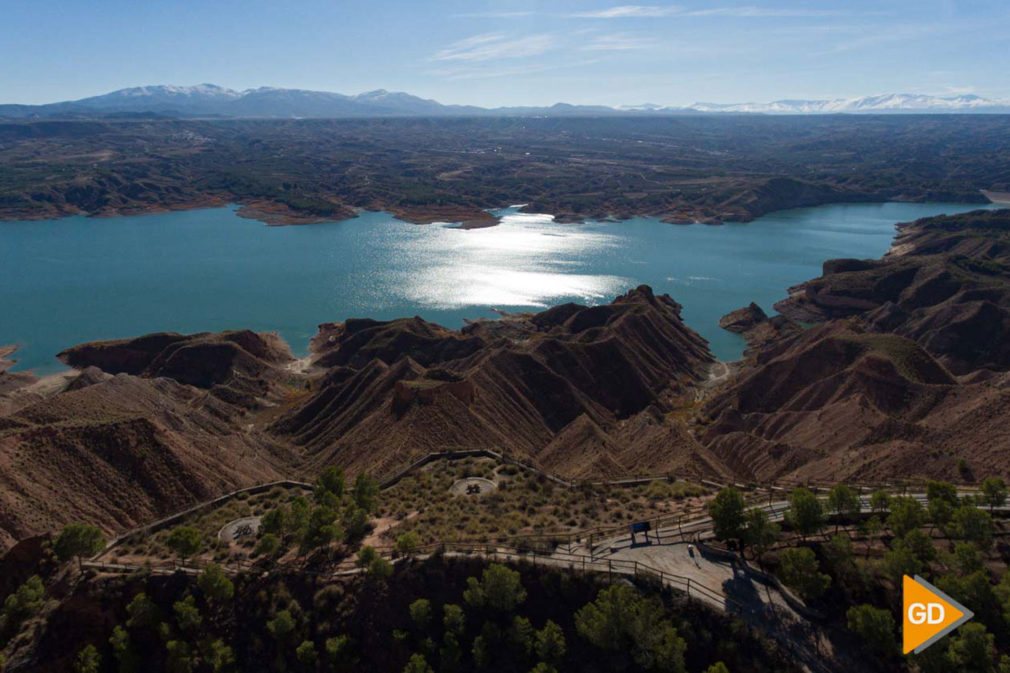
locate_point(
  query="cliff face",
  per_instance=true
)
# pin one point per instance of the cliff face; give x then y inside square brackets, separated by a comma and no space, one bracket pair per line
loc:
[945,284]
[560,387]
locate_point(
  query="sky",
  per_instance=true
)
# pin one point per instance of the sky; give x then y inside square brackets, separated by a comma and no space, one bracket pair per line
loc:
[525,52]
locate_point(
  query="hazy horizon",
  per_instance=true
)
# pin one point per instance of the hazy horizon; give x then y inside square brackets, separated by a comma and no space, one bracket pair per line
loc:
[547,104]
[496,54]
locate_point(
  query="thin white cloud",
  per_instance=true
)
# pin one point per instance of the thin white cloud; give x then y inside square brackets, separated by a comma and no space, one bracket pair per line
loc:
[757,12]
[496,46]
[619,42]
[659,11]
[472,72]
[493,15]
[630,12]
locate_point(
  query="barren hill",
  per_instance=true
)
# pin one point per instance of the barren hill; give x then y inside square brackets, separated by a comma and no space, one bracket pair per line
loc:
[905,376]
[122,449]
[839,402]
[945,283]
[560,388]
[143,427]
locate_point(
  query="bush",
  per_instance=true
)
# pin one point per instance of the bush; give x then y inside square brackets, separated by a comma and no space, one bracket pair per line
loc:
[801,571]
[974,525]
[905,515]
[185,541]
[499,589]
[407,542]
[88,660]
[420,614]
[269,546]
[805,513]
[874,627]
[214,584]
[306,655]
[78,540]
[727,512]
[620,623]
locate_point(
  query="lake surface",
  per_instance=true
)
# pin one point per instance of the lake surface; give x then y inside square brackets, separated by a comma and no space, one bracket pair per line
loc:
[68,281]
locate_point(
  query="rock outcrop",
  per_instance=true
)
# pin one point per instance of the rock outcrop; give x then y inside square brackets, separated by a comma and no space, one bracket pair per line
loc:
[743,319]
[757,328]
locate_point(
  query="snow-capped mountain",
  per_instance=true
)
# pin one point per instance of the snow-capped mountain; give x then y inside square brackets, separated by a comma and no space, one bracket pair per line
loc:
[892,102]
[162,95]
[214,100]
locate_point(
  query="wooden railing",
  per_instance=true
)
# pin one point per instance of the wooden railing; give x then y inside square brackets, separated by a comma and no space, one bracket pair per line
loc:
[582,563]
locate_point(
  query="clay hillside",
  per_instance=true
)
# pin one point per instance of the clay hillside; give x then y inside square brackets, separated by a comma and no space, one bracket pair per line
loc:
[580,391]
[153,426]
[144,427]
[906,373]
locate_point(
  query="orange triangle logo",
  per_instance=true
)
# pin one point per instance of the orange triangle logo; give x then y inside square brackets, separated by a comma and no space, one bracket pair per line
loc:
[928,614]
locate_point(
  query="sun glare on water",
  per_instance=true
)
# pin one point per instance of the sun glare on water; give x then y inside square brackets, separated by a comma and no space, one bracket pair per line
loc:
[527,260]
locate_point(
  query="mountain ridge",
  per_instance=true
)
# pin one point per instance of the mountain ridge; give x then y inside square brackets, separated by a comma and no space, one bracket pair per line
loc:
[213,100]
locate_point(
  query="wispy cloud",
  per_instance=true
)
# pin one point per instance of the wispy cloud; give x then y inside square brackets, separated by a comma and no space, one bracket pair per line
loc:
[493,15]
[619,42]
[630,12]
[658,11]
[470,72]
[757,12]
[496,46]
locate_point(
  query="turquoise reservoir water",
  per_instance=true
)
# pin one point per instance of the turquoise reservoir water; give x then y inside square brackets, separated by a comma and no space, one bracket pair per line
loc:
[64,282]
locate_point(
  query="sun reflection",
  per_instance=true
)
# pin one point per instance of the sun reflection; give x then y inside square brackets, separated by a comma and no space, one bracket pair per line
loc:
[527,260]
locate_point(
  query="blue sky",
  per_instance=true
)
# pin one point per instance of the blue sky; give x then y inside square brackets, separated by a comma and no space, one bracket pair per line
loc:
[510,53]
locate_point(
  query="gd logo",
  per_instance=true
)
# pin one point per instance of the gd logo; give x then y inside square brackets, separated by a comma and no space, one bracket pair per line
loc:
[928,615]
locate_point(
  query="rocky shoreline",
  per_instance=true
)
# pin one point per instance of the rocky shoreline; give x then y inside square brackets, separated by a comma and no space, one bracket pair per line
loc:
[274,213]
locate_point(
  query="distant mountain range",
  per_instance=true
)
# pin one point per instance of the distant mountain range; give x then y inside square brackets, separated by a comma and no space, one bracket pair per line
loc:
[210,100]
